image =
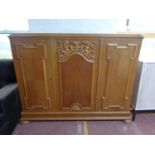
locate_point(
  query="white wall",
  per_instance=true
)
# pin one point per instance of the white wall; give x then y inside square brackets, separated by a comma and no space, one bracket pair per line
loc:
[146,89]
[72,26]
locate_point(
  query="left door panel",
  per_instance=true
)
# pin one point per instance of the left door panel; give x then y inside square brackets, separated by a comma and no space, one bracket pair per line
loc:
[33,73]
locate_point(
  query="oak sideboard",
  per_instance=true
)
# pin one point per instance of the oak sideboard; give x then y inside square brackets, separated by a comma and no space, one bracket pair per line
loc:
[76,76]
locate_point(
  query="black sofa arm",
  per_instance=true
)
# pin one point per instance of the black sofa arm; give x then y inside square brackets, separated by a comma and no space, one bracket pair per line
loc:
[8,99]
[7,73]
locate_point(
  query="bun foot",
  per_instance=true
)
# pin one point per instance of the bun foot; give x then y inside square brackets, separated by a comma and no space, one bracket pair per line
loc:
[24,122]
[127,121]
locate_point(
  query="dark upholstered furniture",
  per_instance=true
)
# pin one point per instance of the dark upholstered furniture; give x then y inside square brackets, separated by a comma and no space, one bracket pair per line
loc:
[9,98]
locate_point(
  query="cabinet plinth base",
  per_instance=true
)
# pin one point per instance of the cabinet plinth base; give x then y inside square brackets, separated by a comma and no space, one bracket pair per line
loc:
[77,116]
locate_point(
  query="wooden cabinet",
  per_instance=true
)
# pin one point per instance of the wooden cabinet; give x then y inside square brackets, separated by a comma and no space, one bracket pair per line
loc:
[75,77]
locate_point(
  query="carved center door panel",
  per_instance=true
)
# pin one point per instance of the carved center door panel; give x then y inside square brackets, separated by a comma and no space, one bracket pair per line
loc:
[77,63]
[30,59]
[116,76]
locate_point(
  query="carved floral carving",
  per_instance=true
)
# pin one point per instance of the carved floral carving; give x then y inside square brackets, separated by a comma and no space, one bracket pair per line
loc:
[84,48]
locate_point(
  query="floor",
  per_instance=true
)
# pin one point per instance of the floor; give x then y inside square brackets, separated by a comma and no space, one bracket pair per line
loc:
[143,125]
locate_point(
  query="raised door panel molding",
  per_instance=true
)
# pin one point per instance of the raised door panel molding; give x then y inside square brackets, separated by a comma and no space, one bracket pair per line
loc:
[77,62]
[119,65]
[32,60]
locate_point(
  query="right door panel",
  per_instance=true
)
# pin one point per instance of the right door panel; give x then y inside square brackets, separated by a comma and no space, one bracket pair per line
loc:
[116,73]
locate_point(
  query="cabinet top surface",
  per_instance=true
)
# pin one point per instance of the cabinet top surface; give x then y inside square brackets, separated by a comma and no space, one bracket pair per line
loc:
[74,35]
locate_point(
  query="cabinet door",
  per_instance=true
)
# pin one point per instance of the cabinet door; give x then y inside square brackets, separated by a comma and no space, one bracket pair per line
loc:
[116,75]
[33,73]
[77,65]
